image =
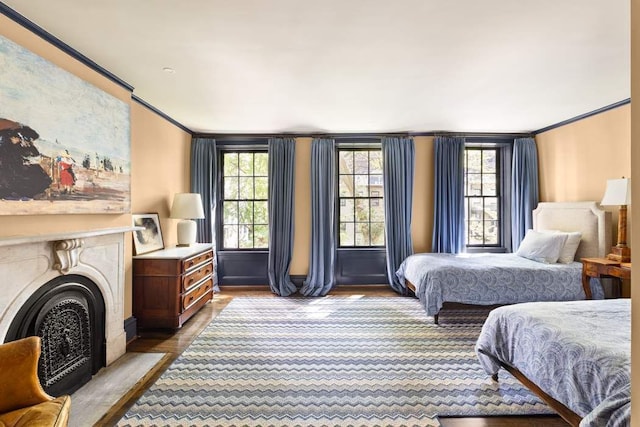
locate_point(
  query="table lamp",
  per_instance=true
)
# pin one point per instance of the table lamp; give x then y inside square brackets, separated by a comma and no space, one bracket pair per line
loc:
[618,192]
[187,207]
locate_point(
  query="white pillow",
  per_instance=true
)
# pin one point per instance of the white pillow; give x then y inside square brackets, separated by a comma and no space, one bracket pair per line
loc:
[568,253]
[542,247]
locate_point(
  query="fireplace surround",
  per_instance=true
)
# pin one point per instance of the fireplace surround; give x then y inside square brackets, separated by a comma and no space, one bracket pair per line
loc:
[69,289]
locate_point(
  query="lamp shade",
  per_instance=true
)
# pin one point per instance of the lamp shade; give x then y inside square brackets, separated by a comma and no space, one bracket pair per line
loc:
[618,192]
[187,206]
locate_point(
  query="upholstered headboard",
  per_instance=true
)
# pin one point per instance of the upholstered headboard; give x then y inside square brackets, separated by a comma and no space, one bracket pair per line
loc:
[587,217]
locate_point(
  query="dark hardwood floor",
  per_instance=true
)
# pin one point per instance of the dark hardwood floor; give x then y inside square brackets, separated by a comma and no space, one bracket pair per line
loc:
[174,343]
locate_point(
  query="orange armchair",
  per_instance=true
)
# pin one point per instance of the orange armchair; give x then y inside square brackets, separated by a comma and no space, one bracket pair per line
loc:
[23,402]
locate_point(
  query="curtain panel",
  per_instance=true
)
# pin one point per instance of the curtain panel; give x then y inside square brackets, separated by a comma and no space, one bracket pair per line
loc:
[203,180]
[448,215]
[281,191]
[398,156]
[320,279]
[524,188]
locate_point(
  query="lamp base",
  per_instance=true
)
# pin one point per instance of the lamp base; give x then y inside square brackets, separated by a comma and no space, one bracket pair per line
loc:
[620,254]
[187,230]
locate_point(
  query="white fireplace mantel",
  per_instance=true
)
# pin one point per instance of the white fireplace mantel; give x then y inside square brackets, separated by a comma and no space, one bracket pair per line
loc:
[29,262]
[21,240]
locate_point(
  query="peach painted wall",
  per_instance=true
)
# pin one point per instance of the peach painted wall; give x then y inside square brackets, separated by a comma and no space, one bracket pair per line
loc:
[302,209]
[422,214]
[577,159]
[159,160]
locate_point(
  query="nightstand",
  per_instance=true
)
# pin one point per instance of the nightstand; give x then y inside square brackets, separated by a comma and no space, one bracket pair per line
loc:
[603,267]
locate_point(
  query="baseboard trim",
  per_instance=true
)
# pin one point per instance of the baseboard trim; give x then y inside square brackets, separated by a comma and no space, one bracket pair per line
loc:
[131,328]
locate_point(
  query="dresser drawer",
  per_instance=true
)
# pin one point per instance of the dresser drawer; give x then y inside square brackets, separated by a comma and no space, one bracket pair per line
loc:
[189,263]
[194,277]
[196,293]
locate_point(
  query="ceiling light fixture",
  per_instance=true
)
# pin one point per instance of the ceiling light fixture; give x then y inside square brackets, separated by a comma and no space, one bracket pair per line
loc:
[169,70]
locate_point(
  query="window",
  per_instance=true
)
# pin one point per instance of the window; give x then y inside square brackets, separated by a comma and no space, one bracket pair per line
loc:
[483,206]
[360,192]
[245,192]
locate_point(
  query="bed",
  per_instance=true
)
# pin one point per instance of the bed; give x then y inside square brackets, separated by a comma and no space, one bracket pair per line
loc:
[575,355]
[496,279]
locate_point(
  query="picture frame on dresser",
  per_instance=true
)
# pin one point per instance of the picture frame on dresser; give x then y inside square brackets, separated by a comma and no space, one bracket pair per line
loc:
[150,238]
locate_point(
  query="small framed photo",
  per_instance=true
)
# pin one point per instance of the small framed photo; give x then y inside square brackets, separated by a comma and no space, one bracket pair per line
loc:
[149,239]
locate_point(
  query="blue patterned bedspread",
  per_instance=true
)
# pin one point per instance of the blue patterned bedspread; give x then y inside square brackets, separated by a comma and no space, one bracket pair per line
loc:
[486,279]
[577,352]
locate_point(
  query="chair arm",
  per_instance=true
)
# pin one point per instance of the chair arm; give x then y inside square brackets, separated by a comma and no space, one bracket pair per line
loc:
[19,384]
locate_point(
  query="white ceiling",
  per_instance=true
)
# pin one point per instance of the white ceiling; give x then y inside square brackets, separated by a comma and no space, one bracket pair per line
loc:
[271,66]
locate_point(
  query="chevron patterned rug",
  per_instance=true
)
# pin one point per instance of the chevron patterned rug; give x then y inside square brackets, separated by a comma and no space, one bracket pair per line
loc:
[332,361]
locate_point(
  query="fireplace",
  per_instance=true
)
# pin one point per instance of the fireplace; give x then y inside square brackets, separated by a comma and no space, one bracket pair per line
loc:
[69,290]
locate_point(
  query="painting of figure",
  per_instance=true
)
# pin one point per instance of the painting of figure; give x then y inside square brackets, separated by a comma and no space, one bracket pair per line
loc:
[64,143]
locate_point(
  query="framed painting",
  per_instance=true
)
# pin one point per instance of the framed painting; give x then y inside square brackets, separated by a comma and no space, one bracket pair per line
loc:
[150,238]
[64,144]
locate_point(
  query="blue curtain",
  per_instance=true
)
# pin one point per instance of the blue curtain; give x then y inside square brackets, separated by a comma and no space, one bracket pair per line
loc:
[203,181]
[448,200]
[398,156]
[320,279]
[281,187]
[524,188]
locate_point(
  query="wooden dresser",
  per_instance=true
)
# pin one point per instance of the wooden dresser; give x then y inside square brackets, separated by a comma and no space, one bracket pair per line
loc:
[171,285]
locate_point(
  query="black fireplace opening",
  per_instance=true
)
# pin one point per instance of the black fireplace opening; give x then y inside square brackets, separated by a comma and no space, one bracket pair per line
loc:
[68,314]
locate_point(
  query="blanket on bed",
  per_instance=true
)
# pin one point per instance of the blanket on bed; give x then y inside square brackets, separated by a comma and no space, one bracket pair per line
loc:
[487,279]
[577,352]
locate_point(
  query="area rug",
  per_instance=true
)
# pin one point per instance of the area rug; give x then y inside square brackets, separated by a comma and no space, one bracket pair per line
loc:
[332,361]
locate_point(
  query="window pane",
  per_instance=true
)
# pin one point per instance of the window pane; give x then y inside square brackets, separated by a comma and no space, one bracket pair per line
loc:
[262,188]
[261,164]
[346,210]
[377,233]
[476,233]
[261,236]
[489,185]
[375,185]
[246,164]
[245,210]
[361,162]
[230,236]
[245,236]
[491,232]
[230,188]
[230,161]
[362,234]
[476,209]
[377,210]
[345,162]
[489,161]
[474,161]
[474,184]
[346,186]
[260,213]
[346,234]
[375,162]
[362,185]
[230,212]
[491,208]
[246,188]
[362,210]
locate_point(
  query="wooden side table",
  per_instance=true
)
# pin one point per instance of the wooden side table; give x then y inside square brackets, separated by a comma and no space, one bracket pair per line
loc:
[603,267]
